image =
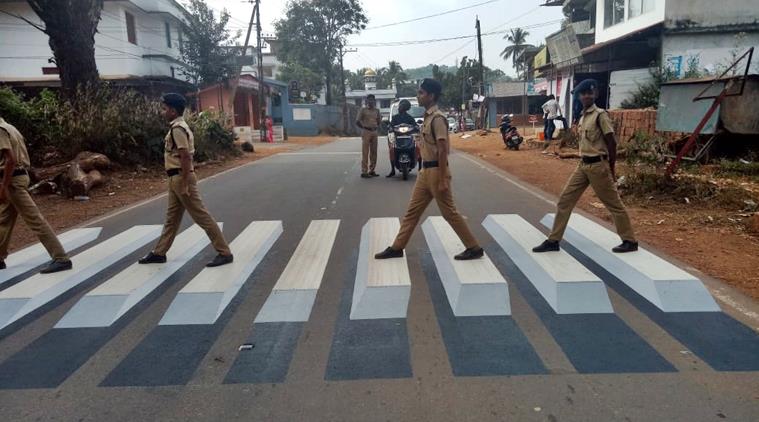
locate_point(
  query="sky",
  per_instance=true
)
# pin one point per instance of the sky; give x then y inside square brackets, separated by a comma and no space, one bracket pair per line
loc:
[497,15]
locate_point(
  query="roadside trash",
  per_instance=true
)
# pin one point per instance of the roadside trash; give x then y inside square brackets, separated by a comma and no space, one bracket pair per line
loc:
[81,198]
[246,346]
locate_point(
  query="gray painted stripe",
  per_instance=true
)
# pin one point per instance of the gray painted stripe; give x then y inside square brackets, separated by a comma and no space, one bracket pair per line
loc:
[32,293]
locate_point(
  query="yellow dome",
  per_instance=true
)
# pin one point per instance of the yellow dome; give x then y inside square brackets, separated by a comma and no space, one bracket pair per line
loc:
[370,72]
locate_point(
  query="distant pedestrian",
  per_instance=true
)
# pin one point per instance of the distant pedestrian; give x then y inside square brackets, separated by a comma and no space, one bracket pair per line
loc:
[179,147]
[369,120]
[598,151]
[15,201]
[434,181]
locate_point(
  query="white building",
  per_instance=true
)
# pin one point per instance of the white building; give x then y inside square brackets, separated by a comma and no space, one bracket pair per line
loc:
[138,42]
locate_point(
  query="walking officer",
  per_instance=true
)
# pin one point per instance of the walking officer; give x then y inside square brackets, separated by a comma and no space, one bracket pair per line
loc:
[434,181]
[598,152]
[369,121]
[15,200]
[179,148]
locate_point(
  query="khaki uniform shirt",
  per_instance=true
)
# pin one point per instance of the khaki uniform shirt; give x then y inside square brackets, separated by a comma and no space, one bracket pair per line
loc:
[182,139]
[369,118]
[11,139]
[434,128]
[594,124]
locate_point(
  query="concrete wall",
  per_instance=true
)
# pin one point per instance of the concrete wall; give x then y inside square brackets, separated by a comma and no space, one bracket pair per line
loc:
[629,25]
[24,50]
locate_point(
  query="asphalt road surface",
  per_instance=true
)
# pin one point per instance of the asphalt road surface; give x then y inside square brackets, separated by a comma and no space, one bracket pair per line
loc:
[162,354]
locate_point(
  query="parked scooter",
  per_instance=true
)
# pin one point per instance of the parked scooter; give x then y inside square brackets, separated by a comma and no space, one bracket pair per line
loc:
[511,137]
[404,148]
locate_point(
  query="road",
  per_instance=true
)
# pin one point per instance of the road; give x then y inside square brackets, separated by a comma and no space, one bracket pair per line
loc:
[636,364]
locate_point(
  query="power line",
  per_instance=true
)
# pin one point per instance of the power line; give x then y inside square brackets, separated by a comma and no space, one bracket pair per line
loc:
[430,16]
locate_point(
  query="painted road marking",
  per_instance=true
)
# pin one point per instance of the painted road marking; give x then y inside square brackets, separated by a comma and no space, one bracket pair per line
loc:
[474,288]
[105,304]
[32,293]
[668,287]
[383,287]
[565,284]
[294,293]
[36,255]
[206,296]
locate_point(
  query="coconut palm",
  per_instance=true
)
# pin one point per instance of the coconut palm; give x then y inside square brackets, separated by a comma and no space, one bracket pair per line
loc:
[517,37]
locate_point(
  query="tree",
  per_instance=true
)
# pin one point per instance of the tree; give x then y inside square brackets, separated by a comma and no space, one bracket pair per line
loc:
[207,48]
[313,31]
[518,39]
[70,26]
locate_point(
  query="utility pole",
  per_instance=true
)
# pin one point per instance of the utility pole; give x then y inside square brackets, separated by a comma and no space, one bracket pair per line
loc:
[343,52]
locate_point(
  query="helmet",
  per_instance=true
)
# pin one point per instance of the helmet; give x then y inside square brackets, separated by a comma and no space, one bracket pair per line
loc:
[404,105]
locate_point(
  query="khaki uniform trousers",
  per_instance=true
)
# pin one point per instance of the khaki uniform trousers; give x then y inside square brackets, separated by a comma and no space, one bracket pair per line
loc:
[368,151]
[597,176]
[425,190]
[20,203]
[178,203]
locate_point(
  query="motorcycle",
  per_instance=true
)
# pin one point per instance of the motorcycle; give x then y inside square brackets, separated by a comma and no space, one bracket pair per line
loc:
[404,148]
[511,137]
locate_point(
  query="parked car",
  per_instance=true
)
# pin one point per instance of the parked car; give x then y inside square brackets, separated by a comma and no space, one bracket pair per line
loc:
[469,124]
[453,125]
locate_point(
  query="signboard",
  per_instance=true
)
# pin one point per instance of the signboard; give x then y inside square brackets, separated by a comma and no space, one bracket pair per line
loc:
[564,47]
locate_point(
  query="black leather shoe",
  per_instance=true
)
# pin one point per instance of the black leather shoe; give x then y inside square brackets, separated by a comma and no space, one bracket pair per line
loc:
[2,265]
[392,174]
[389,253]
[152,258]
[547,246]
[365,175]
[220,260]
[469,254]
[57,266]
[625,247]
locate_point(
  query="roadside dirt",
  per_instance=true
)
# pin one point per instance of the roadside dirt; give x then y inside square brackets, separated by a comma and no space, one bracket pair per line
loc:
[129,186]
[710,238]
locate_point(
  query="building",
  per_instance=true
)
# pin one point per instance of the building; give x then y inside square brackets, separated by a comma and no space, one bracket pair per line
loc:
[617,42]
[137,44]
[385,97]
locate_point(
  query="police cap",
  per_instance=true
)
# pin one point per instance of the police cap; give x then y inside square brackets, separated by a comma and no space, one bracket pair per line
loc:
[175,101]
[585,86]
[432,86]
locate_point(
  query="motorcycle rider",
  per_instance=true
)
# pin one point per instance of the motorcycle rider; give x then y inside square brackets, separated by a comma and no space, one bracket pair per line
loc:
[401,118]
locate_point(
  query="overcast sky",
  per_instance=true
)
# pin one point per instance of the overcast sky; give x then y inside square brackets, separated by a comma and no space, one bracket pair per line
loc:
[495,16]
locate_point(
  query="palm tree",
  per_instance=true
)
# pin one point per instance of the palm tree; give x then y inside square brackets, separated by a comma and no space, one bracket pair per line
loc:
[518,39]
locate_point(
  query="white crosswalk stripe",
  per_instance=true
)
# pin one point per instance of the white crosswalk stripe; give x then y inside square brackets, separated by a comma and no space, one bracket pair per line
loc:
[30,294]
[293,296]
[105,304]
[206,296]
[668,287]
[29,258]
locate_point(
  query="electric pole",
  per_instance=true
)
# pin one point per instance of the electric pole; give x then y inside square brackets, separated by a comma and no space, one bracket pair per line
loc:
[343,52]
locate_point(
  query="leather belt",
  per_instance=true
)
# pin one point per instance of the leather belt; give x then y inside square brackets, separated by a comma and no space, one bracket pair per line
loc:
[594,159]
[176,172]
[429,164]
[16,173]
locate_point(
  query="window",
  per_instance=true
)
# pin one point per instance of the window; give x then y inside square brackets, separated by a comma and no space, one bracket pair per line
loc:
[131,33]
[168,34]
[614,12]
[639,7]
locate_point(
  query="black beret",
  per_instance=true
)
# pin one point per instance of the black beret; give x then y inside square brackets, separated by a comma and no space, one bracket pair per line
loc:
[586,85]
[175,101]
[432,86]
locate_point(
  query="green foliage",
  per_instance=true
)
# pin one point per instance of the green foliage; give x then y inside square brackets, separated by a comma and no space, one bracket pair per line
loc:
[312,32]
[212,138]
[207,45]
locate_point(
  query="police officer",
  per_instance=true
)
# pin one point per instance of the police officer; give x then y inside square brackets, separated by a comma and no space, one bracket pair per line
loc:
[369,120]
[434,181]
[598,151]
[179,148]
[15,200]
[399,119]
